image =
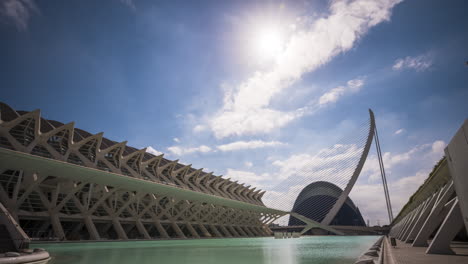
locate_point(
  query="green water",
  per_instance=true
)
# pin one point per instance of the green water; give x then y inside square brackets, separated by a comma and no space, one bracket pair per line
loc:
[314,249]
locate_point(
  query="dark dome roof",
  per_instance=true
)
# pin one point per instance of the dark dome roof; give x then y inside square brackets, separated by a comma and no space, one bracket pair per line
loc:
[316,200]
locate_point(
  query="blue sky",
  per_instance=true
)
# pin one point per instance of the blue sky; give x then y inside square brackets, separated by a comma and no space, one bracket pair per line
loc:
[253,90]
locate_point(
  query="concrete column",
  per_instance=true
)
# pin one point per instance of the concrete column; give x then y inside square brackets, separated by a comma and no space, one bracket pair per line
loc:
[192,230]
[215,231]
[93,233]
[253,231]
[250,234]
[177,230]
[160,228]
[452,224]
[423,236]
[204,231]
[225,231]
[233,231]
[240,231]
[57,227]
[457,157]
[142,230]
[436,216]
[265,230]
[259,231]
[402,226]
[422,217]
[417,213]
[407,223]
[119,229]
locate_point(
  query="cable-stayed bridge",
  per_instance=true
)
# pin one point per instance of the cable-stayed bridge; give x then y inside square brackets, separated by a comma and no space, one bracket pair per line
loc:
[321,185]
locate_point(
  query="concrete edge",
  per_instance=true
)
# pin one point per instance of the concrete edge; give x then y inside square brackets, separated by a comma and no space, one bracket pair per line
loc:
[388,255]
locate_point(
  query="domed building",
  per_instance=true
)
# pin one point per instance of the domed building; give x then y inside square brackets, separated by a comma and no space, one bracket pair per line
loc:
[317,199]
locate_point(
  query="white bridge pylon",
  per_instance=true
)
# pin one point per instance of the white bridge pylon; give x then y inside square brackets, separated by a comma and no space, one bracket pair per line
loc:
[325,223]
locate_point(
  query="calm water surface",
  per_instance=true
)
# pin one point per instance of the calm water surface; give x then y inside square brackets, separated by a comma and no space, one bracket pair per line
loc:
[314,249]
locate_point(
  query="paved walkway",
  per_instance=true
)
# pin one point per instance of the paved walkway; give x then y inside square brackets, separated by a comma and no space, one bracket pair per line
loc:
[403,253]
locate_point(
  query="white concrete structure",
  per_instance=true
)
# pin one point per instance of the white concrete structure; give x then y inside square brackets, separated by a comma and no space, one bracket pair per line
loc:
[441,204]
[60,182]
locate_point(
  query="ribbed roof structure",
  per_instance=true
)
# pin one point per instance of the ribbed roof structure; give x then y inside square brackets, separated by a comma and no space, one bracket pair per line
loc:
[53,139]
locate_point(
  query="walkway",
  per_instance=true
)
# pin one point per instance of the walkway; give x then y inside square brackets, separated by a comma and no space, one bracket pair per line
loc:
[403,253]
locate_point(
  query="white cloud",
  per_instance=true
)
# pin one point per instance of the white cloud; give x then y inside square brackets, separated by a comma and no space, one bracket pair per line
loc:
[199,128]
[153,151]
[247,177]
[18,11]
[418,63]
[438,147]
[282,200]
[251,121]
[176,140]
[248,164]
[400,131]
[399,190]
[247,108]
[334,94]
[179,151]
[326,164]
[253,144]
[427,153]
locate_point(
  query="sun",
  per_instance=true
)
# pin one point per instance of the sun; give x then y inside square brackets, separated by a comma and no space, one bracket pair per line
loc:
[268,43]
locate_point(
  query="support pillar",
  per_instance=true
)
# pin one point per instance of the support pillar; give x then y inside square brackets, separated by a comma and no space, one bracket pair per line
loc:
[240,231]
[267,230]
[225,231]
[255,233]
[93,233]
[262,231]
[408,223]
[179,232]
[436,216]
[259,231]
[233,231]
[417,213]
[57,227]
[160,228]
[215,231]
[204,231]
[402,226]
[119,229]
[192,230]
[250,234]
[422,217]
[142,230]
[452,224]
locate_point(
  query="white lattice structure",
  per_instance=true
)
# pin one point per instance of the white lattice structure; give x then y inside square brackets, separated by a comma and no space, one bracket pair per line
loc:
[64,183]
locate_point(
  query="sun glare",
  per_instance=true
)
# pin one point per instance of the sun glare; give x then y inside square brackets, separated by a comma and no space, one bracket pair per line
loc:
[268,44]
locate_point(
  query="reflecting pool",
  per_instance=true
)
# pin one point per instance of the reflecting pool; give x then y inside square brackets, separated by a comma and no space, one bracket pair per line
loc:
[313,249]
